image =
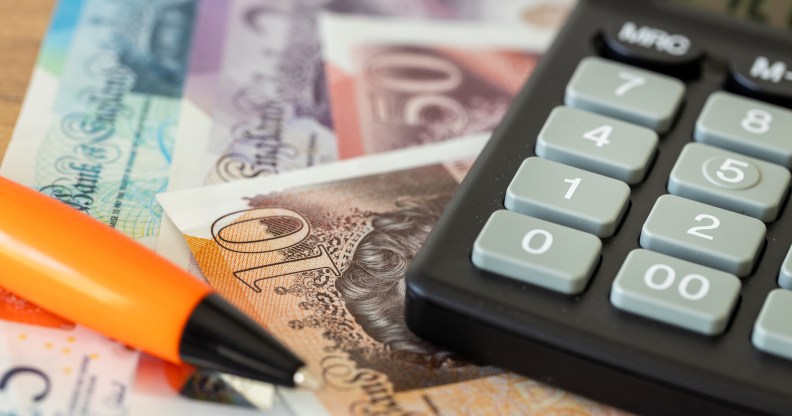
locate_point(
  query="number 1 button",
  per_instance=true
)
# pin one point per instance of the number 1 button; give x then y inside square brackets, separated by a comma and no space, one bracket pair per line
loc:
[537,252]
[569,196]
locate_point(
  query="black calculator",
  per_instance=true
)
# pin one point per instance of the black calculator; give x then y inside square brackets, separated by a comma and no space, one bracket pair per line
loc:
[625,235]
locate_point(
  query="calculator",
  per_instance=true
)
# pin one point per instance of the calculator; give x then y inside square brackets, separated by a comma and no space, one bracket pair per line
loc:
[625,233]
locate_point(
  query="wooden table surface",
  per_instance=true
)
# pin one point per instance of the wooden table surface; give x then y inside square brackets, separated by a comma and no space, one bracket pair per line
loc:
[23,24]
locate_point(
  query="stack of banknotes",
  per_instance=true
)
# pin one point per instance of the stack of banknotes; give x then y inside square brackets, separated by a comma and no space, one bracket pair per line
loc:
[292,153]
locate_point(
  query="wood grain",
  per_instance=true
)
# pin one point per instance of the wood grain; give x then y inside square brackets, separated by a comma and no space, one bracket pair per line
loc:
[23,24]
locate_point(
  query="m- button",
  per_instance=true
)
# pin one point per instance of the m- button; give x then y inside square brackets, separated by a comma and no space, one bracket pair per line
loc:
[764,77]
[660,49]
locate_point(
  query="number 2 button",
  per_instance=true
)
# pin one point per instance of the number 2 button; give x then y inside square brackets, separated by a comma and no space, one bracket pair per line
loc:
[703,234]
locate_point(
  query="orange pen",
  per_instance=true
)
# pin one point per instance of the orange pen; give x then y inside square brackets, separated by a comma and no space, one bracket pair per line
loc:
[86,272]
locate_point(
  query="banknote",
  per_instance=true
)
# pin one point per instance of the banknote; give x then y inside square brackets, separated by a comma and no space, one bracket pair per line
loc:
[97,128]
[96,132]
[255,100]
[400,83]
[62,370]
[319,256]
[255,94]
[548,13]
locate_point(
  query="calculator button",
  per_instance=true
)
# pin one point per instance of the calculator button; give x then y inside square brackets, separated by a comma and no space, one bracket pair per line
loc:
[568,196]
[625,92]
[660,48]
[675,291]
[536,251]
[785,274]
[597,143]
[764,76]
[746,126]
[772,332]
[729,180]
[703,234]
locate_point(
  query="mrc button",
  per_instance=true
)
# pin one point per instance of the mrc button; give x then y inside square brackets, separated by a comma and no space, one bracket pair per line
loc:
[764,77]
[653,47]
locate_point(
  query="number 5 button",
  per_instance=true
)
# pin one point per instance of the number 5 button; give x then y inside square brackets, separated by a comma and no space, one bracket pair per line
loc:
[703,234]
[675,291]
[729,180]
[536,251]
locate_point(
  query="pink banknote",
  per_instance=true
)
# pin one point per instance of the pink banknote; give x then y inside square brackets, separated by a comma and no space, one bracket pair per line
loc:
[402,96]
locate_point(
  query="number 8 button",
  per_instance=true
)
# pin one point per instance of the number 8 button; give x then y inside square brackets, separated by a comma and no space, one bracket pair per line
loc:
[746,126]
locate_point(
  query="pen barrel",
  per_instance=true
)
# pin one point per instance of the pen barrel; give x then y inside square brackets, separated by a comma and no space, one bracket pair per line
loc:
[83,270]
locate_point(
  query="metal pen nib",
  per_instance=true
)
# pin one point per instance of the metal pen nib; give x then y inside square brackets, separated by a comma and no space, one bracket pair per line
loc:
[304,378]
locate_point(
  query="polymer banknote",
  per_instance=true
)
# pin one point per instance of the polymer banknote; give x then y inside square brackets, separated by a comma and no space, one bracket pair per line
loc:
[96,132]
[256,99]
[400,83]
[319,257]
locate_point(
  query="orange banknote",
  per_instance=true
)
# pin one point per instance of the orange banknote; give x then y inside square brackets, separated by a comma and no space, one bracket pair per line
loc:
[322,266]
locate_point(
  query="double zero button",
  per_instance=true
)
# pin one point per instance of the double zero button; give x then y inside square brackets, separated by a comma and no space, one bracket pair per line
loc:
[675,291]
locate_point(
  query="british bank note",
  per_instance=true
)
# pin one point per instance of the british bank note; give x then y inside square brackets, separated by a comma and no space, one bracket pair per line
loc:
[96,132]
[318,257]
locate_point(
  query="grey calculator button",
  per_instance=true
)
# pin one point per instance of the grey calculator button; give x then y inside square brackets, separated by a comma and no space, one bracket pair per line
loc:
[730,180]
[675,291]
[746,126]
[625,92]
[703,234]
[568,196]
[785,274]
[773,331]
[536,251]
[597,143]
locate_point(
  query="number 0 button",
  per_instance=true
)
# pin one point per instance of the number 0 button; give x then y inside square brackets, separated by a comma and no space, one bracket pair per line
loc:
[675,291]
[536,251]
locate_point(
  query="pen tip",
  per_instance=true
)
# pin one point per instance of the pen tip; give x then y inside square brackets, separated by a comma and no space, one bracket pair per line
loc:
[304,378]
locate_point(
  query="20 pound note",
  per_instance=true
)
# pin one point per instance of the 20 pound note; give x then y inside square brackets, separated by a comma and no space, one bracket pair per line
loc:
[318,257]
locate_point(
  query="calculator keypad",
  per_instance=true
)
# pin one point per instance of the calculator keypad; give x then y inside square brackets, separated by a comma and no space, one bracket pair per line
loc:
[568,196]
[729,180]
[772,332]
[747,126]
[536,251]
[703,234]
[686,273]
[597,143]
[675,291]
[625,92]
